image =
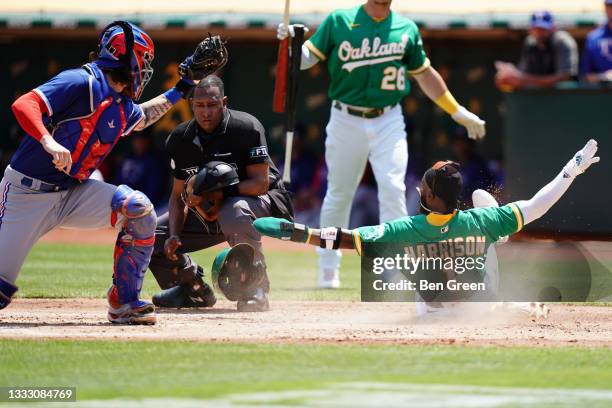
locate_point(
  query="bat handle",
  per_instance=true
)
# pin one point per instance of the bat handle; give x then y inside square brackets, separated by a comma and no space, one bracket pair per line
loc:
[286,14]
[288,149]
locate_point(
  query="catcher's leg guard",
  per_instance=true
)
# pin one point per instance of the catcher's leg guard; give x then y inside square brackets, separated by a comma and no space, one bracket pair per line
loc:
[135,215]
[7,290]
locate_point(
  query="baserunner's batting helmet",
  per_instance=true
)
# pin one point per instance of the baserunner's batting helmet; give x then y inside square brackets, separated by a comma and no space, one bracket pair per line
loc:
[235,273]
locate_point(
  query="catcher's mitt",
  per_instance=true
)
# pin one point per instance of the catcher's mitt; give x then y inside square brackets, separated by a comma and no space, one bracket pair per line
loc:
[209,56]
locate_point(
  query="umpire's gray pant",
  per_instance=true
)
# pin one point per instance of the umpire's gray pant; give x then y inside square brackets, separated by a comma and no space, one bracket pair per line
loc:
[234,225]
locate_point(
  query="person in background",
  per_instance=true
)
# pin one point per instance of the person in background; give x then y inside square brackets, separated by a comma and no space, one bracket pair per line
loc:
[144,169]
[549,56]
[596,63]
[476,171]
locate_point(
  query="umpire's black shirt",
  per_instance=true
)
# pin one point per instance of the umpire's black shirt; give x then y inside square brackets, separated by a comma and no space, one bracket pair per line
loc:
[238,140]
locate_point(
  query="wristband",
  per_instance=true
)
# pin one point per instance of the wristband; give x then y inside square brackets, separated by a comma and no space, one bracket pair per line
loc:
[231,191]
[173,95]
[447,103]
[301,233]
[330,238]
[185,88]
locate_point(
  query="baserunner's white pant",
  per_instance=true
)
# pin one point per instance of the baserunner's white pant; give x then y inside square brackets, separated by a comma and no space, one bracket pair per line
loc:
[351,142]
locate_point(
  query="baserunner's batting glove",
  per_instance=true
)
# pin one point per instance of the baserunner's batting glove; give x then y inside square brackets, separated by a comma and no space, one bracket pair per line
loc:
[282,229]
[474,125]
[283,31]
[582,160]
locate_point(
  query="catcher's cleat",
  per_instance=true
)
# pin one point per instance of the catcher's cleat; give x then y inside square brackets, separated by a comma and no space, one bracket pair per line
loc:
[184,297]
[137,312]
[258,303]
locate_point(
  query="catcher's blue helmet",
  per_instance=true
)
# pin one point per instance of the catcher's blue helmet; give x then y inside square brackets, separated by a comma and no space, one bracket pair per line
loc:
[124,45]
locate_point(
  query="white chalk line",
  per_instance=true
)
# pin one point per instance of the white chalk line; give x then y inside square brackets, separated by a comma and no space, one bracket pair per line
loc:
[369,394]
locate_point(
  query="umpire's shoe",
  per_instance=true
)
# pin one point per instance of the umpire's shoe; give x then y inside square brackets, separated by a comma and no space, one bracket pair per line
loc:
[257,303]
[182,296]
[137,312]
[196,293]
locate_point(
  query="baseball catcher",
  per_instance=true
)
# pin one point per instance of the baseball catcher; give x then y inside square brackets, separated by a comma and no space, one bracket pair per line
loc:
[73,121]
[223,181]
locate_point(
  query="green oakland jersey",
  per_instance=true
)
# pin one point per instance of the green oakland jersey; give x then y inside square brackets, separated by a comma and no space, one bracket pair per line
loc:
[465,233]
[368,60]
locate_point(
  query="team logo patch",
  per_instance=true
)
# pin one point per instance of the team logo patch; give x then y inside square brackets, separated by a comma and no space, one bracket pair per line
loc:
[260,151]
[372,233]
[444,229]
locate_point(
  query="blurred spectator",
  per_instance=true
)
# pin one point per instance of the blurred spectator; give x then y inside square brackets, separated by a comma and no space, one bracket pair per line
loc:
[145,169]
[549,56]
[306,200]
[364,210]
[597,55]
[477,172]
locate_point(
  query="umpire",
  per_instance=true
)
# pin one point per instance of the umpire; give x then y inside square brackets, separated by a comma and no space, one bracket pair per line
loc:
[223,180]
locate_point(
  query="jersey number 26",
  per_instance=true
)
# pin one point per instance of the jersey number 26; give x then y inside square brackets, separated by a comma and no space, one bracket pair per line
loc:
[394,79]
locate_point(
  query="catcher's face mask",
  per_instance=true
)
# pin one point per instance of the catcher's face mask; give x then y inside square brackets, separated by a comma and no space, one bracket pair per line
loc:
[204,210]
[125,45]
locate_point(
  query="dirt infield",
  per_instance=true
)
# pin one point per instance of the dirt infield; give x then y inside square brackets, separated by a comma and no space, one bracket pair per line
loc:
[314,322]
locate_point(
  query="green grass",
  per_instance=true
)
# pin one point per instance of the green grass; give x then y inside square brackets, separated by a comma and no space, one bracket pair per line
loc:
[113,369]
[102,369]
[69,271]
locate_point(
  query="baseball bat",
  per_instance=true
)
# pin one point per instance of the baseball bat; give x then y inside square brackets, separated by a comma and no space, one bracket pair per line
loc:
[295,59]
[282,68]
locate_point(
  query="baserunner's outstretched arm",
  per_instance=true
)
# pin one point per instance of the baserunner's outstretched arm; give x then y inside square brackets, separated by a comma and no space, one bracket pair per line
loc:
[553,191]
[330,238]
[335,238]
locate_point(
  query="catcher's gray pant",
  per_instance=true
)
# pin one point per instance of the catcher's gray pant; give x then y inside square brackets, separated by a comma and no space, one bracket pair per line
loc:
[234,225]
[26,214]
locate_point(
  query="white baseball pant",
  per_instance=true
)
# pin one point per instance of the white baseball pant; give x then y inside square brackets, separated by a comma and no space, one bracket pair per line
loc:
[351,142]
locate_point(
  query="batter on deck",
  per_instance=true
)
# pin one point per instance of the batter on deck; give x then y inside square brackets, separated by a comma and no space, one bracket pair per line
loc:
[370,51]
[73,121]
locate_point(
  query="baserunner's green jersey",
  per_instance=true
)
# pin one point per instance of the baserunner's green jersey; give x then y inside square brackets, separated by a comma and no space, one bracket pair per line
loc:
[466,233]
[368,60]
